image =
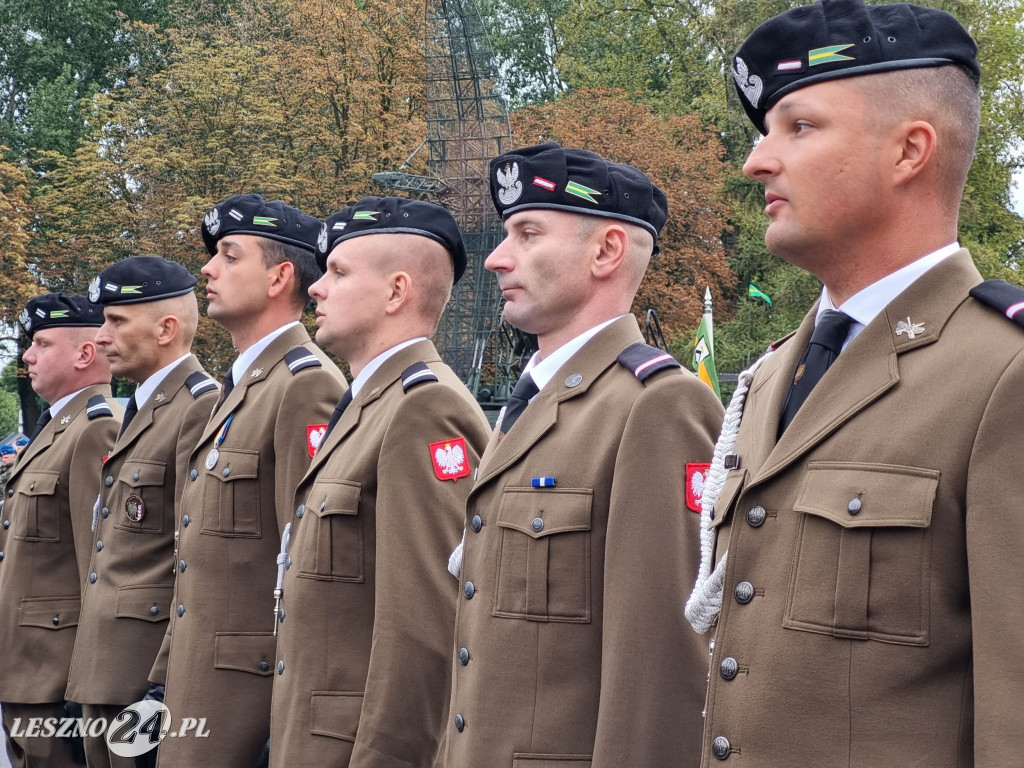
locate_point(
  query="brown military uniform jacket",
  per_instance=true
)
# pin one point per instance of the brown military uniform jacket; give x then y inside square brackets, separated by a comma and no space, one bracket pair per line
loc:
[571,645]
[873,612]
[127,595]
[45,540]
[232,510]
[364,650]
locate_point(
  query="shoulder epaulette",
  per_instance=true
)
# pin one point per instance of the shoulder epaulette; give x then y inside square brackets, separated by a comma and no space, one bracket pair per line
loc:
[644,361]
[299,358]
[97,407]
[1008,299]
[417,373]
[199,383]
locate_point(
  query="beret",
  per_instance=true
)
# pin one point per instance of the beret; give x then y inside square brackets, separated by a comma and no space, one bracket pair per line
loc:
[7,449]
[393,215]
[141,278]
[21,441]
[833,39]
[252,215]
[59,310]
[550,176]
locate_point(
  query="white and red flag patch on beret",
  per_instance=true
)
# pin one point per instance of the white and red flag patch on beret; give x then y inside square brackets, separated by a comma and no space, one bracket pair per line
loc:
[696,474]
[450,458]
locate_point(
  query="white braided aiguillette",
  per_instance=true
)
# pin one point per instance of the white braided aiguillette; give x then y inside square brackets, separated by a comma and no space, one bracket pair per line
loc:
[706,599]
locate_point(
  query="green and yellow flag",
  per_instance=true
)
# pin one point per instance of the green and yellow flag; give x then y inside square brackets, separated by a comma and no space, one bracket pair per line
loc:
[704,357]
[756,293]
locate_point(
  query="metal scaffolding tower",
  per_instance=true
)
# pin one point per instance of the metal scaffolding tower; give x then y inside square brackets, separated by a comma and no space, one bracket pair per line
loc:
[467,125]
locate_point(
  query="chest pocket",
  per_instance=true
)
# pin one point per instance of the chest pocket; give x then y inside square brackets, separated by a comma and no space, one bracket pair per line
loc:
[331,533]
[232,505]
[863,557]
[544,555]
[37,512]
[140,492]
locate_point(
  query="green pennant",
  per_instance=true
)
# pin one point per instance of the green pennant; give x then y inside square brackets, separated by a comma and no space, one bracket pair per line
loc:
[756,293]
[365,215]
[264,221]
[828,54]
[579,190]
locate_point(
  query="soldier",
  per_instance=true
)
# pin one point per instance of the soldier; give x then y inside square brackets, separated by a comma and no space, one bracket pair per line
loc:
[46,535]
[278,396]
[865,517]
[570,646]
[151,316]
[368,611]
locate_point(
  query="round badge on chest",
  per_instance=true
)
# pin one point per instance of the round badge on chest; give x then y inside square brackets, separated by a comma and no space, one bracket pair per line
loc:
[211,458]
[134,508]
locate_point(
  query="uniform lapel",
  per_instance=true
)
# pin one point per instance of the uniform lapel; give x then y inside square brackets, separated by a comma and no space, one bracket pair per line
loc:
[49,434]
[254,376]
[580,371]
[168,388]
[870,366]
[385,377]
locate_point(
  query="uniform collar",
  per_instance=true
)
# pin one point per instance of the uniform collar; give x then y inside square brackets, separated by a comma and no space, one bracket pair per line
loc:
[146,389]
[247,358]
[867,303]
[544,370]
[371,368]
[58,406]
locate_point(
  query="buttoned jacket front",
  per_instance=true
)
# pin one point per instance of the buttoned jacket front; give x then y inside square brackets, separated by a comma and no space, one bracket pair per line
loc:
[874,589]
[46,539]
[369,608]
[126,599]
[235,502]
[571,645]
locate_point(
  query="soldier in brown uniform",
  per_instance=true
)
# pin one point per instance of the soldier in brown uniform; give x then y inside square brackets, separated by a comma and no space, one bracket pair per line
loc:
[151,315]
[368,608]
[869,586]
[46,535]
[240,479]
[571,648]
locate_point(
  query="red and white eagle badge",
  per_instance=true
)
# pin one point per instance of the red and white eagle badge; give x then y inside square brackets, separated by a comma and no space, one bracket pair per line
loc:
[314,436]
[696,475]
[450,458]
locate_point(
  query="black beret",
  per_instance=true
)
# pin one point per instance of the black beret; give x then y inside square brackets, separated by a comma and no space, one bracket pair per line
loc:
[140,278]
[395,216]
[252,215]
[59,310]
[578,181]
[844,38]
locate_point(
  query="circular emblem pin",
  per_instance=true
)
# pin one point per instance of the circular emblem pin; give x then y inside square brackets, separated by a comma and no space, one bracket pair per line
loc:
[94,290]
[211,458]
[134,508]
[574,380]
[212,221]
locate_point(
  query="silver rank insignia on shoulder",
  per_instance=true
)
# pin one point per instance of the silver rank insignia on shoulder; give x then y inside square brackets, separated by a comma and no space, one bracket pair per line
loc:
[255,372]
[910,328]
[65,419]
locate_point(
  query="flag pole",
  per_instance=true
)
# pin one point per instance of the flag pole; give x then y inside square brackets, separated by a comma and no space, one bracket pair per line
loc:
[707,313]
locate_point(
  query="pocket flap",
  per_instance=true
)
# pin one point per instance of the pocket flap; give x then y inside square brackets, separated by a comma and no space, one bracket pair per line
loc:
[734,482]
[38,483]
[526,760]
[335,714]
[141,472]
[868,495]
[50,612]
[334,497]
[245,651]
[146,602]
[236,465]
[540,513]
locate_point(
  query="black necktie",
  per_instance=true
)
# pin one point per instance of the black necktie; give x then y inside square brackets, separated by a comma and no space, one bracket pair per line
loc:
[338,410]
[826,342]
[44,419]
[524,390]
[129,414]
[227,384]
